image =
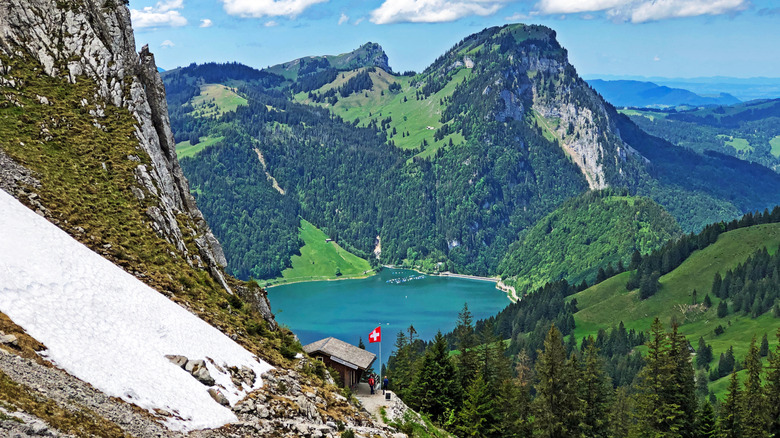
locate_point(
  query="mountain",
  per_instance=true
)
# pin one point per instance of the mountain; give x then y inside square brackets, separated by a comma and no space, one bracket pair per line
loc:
[647,94]
[745,89]
[749,131]
[368,55]
[585,234]
[445,168]
[118,266]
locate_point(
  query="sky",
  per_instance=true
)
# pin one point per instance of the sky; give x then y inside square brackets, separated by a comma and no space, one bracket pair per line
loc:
[651,38]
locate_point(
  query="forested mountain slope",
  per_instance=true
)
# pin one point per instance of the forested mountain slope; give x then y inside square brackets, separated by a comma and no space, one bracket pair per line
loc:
[585,239]
[749,131]
[446,167]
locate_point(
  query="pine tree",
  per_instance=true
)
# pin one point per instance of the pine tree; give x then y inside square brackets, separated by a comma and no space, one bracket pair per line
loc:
[465,341]
[513,406]
[773,390]
[705,425]
[556,390]
[723,309]
[620,413]
[682,393]
[656,414]
[764,350]
[753,407]
[476,417]
[433,390]
[595,395]
[361,345]
[729,418]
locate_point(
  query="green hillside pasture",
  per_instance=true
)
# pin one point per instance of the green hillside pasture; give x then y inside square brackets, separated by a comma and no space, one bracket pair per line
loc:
[413,116]
[647,114]
[740,144]
[185,149]
[775,143]
[215,100]
[319,259]
[606,304]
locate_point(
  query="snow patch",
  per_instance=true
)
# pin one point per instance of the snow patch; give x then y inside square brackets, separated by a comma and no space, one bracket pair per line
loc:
[109,329]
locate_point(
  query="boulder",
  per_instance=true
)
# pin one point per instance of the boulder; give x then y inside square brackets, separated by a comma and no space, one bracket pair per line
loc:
[177,360]
[218,397]
[9,339]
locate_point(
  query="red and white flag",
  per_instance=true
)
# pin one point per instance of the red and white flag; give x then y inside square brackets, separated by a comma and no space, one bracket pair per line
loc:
[376,335]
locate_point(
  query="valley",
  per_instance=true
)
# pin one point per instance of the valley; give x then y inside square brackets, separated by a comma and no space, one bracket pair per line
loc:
[542,255]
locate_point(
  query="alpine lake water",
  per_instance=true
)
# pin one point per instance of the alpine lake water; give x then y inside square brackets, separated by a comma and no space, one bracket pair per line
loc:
[394,299]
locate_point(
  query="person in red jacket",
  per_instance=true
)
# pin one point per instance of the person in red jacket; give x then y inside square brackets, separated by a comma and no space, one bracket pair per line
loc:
[371,383]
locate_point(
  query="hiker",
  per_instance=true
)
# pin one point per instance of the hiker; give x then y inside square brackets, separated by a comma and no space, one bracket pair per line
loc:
[371,383]
[384,385]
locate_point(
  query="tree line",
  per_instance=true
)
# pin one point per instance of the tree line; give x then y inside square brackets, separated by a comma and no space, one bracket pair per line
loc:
[567,392]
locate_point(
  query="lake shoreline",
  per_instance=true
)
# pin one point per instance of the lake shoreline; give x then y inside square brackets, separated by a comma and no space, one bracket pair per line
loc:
[509,290]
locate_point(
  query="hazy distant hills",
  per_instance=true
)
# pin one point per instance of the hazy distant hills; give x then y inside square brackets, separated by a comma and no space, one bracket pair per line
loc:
[628,93]
[744,89]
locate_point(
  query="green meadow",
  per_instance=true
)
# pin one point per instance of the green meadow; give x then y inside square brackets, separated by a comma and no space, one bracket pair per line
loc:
[608,303]
[321,259]
[186,149]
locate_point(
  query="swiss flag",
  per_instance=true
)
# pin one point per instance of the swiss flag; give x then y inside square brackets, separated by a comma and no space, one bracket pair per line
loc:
[376,335]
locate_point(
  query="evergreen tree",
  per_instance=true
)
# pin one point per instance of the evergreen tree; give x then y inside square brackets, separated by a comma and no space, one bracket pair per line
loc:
[361,345]
[729,418]
[465,341]
[595,395]
[707,301]
[773,390]
[513,406]
[683,392]
[656,414]
[556,399]
[433,390]
[476,417]
[764,350]
[723,309]
[753,408]
[620,413]
[703,353]
[705,425]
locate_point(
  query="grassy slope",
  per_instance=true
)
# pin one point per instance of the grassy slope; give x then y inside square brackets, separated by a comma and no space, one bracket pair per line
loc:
[215,100]
[608,303]
[185,149]
[320,259]
[775,143]
[413,116]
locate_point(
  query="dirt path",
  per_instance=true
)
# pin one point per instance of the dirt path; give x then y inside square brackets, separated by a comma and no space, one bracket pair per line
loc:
[372,403]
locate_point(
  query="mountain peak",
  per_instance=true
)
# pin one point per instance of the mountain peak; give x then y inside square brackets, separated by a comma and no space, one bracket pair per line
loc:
[367,55]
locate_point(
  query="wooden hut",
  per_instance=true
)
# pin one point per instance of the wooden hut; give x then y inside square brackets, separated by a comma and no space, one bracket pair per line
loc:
[349,361]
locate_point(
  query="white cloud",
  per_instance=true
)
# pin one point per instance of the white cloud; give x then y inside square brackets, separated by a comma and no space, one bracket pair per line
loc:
[206,23]
[432,11]
[517,16]
[358,21]
[270,23]
[661,9]
[640,11]
[164,14]
[343,19]
[268,8]
[576,6]
[656,58]
[167,44]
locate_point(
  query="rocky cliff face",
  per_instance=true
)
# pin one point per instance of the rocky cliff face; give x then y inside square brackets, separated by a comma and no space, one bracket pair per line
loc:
[527,75]
[92,40]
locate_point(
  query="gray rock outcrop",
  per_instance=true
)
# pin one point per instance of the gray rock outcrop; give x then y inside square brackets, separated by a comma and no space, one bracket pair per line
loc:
[94,41]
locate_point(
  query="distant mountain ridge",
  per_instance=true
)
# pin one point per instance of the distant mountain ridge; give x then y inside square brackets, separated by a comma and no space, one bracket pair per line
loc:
[627,93]
[368,55]
[446,168]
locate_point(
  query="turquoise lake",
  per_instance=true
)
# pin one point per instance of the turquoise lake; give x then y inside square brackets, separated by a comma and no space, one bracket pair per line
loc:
[351,309]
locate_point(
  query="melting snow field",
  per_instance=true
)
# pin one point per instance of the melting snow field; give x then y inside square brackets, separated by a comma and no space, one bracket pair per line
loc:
[107,328]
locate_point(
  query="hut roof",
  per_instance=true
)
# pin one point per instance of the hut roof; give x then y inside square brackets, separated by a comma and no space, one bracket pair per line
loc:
[342,350]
